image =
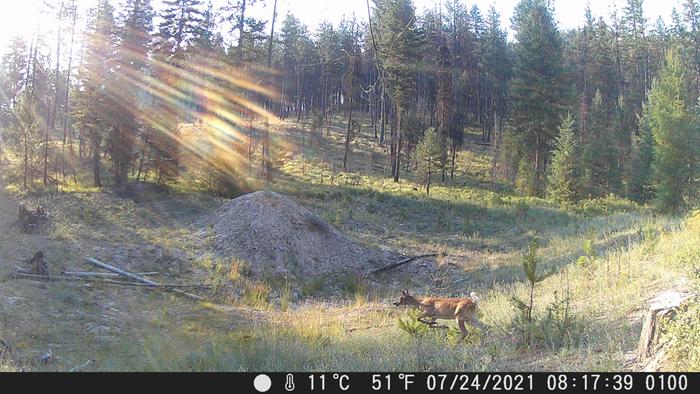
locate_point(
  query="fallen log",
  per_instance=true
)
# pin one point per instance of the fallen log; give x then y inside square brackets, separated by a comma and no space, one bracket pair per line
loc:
[401,262]
[127,274]
[108,281]
[103,274]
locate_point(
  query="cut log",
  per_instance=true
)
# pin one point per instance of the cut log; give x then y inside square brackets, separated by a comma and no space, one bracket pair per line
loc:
[651,350]
[401,262]
[20,274]
[141,279]
[103,274]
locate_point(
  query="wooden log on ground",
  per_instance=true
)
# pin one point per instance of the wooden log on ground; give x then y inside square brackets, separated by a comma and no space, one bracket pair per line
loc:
[650,350]
[108,281]
[127,274]
[402,262]
[103,274]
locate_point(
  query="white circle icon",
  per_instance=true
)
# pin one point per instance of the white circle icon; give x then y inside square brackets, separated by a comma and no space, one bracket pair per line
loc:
[262,383]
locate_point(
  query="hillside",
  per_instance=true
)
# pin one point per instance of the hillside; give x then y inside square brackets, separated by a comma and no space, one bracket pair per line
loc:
[605,258]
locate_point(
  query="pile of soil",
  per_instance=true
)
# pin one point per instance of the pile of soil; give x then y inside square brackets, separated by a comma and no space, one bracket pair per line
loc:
[275,235]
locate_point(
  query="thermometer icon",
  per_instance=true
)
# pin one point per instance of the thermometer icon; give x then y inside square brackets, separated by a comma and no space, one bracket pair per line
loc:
[289,384]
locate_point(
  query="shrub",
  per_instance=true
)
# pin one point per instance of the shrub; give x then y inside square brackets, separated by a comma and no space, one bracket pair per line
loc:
[411,325]
[257,295]
[558,327]
[683,333]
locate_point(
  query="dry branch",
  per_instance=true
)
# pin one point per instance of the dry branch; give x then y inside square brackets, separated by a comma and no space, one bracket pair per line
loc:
[108,281]
[402,262]
[103,274]
[127,274]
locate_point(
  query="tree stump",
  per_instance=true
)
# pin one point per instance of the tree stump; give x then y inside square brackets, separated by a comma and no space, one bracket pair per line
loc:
[39,265]
[651,350]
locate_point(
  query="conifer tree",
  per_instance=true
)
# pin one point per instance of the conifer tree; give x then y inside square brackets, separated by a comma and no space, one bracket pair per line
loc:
[401,43]
[537,88]
[675,127]
[430,153]
[639,170]
[132,57]
[562,181]
[94,109]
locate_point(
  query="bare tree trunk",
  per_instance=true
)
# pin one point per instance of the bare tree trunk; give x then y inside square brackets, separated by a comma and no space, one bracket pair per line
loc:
[66,104]
[299,93]
[241,25]
[398,146]
[347,136]
[52,116]
[267,170]
[96,160]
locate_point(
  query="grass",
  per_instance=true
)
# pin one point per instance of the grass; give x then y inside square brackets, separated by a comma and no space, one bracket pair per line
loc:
[481,233]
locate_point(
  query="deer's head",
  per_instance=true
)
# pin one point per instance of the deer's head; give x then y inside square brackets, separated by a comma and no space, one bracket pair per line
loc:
[405,299]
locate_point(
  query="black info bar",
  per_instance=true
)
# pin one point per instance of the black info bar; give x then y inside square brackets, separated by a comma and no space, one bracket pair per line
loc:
[340,382]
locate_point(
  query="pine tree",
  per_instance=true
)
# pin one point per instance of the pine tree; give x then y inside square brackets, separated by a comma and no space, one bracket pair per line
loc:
[180,25]
[445,106]
[133,58]
[24,128]
[430,152]
[236,14]
[639,172]
[352,91]
[538,80]
[94,108]
[601,173]
[675,127]
[400,42]
[562,181]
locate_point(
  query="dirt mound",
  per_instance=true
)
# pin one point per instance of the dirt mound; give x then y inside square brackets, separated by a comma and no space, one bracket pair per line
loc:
[275,235]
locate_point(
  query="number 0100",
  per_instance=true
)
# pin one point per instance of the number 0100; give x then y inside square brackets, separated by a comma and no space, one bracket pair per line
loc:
[667,382]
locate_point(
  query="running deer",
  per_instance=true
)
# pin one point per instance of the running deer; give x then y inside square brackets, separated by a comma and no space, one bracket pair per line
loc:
[433,308]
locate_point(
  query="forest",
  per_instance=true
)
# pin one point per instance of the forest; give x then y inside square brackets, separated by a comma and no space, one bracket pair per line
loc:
[292,179]
[114,93]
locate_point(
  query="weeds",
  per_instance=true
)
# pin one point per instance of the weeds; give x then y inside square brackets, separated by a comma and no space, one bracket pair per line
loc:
[410,324]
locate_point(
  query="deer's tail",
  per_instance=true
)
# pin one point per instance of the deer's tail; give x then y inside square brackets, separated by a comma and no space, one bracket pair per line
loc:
[475,297]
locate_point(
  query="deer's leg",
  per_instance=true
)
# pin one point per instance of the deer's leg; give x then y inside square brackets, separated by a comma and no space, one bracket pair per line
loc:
[474,320]
[426,318]
[460,323]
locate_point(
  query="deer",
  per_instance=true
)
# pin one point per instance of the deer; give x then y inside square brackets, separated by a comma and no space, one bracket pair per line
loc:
[434,308]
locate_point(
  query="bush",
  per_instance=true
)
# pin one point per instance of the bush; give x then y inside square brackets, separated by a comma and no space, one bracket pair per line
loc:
[683,333]
[558,327]
[257,295]
[589,252]
[604,206]
[411,325]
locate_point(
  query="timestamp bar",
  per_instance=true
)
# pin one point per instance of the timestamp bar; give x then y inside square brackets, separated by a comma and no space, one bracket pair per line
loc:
[371,382]
[486,382]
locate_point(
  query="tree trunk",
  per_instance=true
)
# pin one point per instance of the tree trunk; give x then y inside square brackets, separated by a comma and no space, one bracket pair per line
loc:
[66,103]
[241,25]
[267,170]
[347,137]
[96,162]
[398,146]
[52,116]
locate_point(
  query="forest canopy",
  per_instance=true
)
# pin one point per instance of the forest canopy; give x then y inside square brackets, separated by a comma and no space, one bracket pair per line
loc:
[110,91]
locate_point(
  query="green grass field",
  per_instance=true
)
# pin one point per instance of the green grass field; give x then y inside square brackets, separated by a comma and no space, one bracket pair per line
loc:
[604,259]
